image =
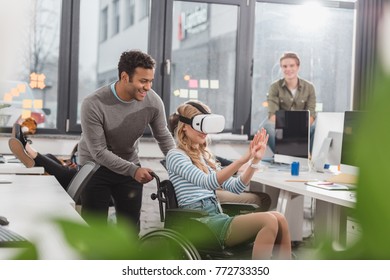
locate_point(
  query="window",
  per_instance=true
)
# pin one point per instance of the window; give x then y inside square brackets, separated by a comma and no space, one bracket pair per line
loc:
[207,43]
[115,17]
[323,38]
[204,43]
[144,8]
[29,83]
[103,24]
[130,13]
[98,62]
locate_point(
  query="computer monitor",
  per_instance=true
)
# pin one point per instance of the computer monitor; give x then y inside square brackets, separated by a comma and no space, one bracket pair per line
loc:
[349,164]
[292,137]
[327,140]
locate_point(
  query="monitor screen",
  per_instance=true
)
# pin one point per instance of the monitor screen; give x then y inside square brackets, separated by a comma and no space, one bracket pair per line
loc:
[350,134]
[292,137]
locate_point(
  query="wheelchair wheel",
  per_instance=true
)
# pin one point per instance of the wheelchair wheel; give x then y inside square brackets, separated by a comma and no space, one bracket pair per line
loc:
[166,244]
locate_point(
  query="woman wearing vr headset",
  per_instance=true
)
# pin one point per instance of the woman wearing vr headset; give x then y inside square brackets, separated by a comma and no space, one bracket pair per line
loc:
[195,174]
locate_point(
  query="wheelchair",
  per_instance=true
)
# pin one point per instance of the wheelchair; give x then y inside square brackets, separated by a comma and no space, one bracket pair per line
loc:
[184,237]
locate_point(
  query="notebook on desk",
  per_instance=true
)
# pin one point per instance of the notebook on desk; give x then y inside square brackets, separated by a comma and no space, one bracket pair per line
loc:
[330,186]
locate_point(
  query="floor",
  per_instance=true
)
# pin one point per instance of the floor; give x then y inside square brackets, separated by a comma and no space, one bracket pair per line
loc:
[150,215]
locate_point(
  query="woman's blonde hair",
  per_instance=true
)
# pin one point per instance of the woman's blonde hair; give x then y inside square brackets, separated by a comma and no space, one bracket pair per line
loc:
[183,142]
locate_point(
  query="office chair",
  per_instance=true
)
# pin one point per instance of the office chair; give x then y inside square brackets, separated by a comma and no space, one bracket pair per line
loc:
[187,233]
[80,180]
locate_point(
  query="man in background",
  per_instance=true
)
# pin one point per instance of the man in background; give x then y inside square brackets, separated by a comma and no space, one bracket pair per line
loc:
[290,93]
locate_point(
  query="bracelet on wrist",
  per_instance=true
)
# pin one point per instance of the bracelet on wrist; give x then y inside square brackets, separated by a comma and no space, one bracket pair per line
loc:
[256,165]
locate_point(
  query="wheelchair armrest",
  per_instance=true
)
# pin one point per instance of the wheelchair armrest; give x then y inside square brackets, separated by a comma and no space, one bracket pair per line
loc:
[233,209]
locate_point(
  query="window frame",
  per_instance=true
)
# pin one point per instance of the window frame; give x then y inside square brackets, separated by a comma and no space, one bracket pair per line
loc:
[69,43]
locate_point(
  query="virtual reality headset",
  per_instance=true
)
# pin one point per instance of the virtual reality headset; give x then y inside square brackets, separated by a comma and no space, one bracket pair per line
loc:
[206,123]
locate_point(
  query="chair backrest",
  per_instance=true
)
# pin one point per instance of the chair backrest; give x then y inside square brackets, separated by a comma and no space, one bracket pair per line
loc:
[170,195]
[81,179]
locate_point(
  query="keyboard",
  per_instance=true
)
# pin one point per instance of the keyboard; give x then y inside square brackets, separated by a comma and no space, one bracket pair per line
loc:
[8,238]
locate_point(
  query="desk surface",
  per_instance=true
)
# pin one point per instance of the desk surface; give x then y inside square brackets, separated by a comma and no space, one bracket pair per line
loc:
[30,203]
[279,179]
[19,168]
[41,189]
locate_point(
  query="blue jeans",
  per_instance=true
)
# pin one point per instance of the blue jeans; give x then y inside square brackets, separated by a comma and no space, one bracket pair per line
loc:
[216,221]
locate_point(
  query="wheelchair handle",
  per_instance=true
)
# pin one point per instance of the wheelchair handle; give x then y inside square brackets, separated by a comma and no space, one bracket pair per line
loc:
[159,196]
[156,177]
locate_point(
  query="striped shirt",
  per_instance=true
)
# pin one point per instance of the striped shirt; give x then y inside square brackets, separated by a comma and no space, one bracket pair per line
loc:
[192,184]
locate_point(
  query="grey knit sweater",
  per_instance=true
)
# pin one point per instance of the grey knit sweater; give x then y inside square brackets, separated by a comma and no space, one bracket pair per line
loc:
[111,129]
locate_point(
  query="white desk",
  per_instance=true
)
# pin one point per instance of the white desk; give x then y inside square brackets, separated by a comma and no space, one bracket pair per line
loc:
[40,189]
[30,203]
[19,168]
[330,217]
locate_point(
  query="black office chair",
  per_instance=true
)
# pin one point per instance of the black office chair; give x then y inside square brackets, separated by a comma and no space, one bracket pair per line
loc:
[191,232]
[80,180]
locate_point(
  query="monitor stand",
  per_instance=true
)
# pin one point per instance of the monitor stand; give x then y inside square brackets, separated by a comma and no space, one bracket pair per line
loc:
[320,161]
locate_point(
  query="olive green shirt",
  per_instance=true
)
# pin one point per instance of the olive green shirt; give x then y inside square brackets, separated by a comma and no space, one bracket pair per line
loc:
[281,98]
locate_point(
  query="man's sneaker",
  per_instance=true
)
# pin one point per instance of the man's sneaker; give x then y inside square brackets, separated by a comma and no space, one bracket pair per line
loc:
[18,150]
[18,134]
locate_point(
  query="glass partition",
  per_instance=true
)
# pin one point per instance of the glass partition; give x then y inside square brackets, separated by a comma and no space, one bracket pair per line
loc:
[322,37]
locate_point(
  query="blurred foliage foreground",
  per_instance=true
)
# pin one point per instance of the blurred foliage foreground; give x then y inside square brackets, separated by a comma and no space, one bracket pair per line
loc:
[373,192]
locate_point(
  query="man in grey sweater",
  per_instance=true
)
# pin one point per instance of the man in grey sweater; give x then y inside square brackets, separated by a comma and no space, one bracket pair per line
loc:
[113,119]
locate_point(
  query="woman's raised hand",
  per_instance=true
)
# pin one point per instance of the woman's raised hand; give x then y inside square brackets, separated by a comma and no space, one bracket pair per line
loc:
[259,145]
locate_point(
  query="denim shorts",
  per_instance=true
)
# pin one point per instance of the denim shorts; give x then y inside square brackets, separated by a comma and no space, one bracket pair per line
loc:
[218,222]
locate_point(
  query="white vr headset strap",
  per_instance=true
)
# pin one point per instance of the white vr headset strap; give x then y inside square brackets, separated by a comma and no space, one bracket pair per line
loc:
[207,123]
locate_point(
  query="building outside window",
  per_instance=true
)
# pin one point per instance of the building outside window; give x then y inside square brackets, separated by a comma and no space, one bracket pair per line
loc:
[98,62]
[144,6]
[103,24]
[204,43]
[130,13]
[115,17]
[28,87]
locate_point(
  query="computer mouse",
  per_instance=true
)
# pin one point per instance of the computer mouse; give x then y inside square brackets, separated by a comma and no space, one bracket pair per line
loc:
[3,221]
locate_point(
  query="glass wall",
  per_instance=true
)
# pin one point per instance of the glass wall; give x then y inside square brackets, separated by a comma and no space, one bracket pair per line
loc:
[322,37]
[28,82]
[204,43]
